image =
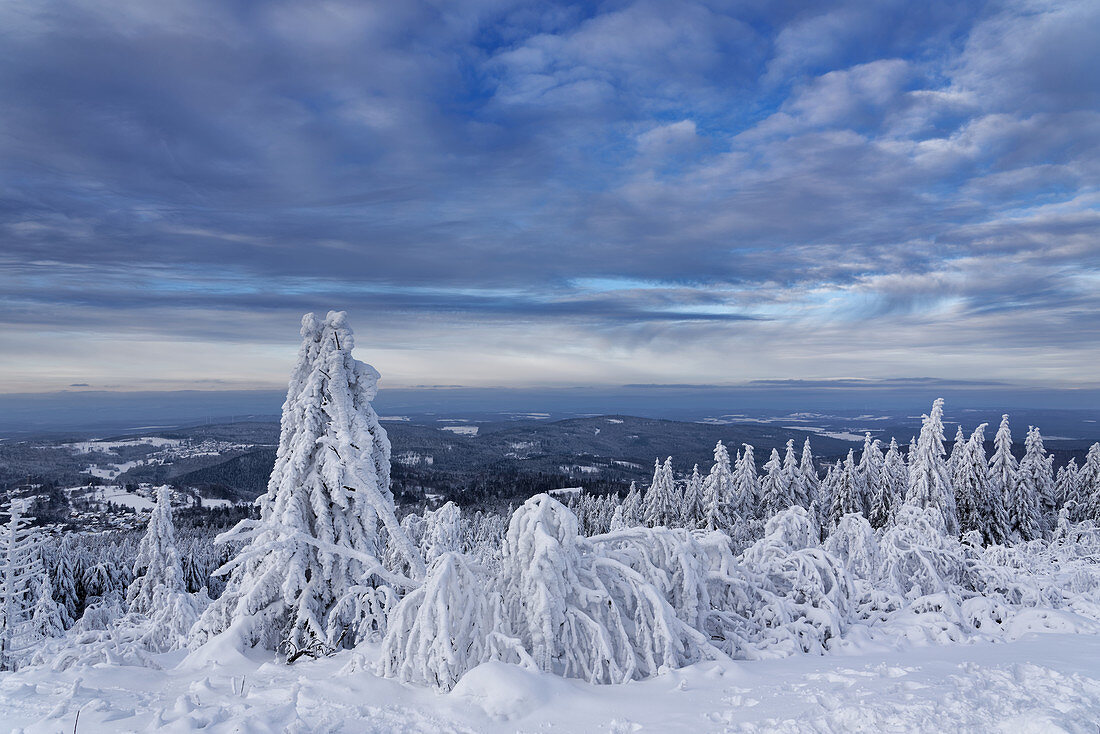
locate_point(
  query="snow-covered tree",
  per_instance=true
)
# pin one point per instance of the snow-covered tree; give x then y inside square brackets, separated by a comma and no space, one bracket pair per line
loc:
[47,618]
[311,571]
[693,515]
[570,609]
[847,492]
[20,571]
[1035,482]
[795,479]
[442,532]
[662,501]
[892,483]
[1003,486]
[1067,487]
[809,474]
[1088,483]
[871,466]
[971,484]
[956,451]
[158,562]
[718,493]
[443,628]
[632,507]
[775,491]
[64,585]
[929,484]
[746,487]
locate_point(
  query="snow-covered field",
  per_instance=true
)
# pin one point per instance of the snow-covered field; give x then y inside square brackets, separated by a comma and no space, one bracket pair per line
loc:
[1039,683]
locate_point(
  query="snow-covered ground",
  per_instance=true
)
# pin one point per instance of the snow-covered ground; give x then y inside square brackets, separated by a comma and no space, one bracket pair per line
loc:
[1039,683]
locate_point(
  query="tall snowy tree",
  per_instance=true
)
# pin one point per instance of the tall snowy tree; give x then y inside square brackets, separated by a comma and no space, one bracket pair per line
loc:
[775,490]
[662,503]
[847,492]
[957,451]
[1067,488]
[971,483]
[632,507]
[311,570]
[890,487]
[692,515]
[20,570]
[929,484]
[871,466]
[1004,487]
[795,479]
[809,473]
[718,497]
[1036,484]
[746,486]
[158,564]
[46,618]
[1088,483]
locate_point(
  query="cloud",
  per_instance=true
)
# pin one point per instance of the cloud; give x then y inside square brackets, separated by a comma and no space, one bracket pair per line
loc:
[633,189]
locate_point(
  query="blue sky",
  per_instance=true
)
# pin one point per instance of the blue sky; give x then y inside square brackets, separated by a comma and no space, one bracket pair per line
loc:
[506,193]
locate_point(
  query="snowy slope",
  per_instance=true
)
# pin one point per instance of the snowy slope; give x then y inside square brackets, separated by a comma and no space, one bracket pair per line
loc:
[1038,683]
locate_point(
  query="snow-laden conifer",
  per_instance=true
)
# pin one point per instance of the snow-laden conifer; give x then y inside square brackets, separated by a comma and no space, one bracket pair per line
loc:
[794,478]
[1067,489]
[718,493]
[47,618]
[971,483]
[1003,490]
[662,501]
[20,572]
[1088,483]
[929,484]
[956,451]
[871,466]
[693,515]
[633,506]
[443,628]
[890,487]
[310,577]
[1035,481]
[775,491]
[442,532]
[572,610]
[158,560]
[746,487]
[809,474]
[847,491]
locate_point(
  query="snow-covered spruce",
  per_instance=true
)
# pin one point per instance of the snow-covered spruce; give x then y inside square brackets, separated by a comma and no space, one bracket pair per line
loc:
[310,577]
[158,564]
[929,482]
[20,573]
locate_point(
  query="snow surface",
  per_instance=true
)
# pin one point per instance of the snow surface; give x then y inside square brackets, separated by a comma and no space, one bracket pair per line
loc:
[462,430]
[1039,683]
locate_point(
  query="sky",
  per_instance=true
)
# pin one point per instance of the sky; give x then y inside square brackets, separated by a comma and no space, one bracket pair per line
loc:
[548,194]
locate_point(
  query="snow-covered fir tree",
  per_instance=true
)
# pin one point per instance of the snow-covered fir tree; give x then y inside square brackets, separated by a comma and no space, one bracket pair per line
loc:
[847,492]
[775,489]
[662,501]
[442,532]
[20,573]
[158,564]
[929,484]
[809,474]
[633,507]
[718,492]
[693,515]
[311,573]
[1004,488]
[871,466]
[957,451]
[795,479]
[746,486]
[1035,479]
[1067,488]
[890,488]
[971,483]
[1088,483]
[47,618]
